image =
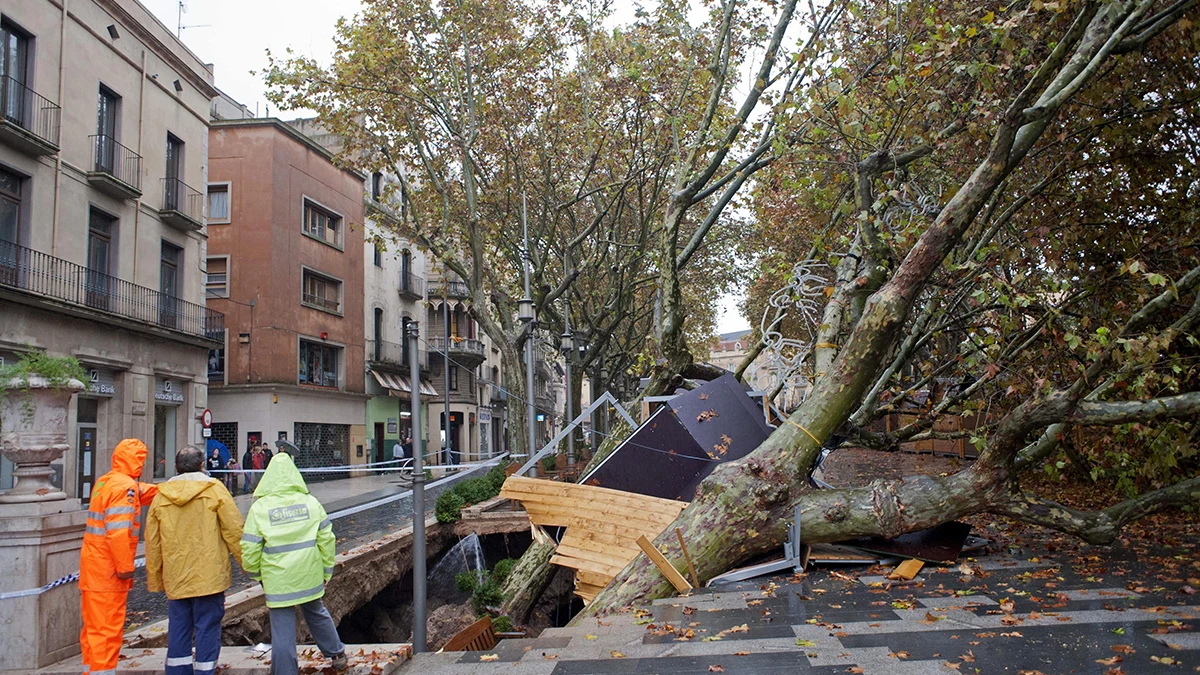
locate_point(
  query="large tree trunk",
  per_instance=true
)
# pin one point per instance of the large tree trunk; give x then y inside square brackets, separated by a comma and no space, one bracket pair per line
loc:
[527,581]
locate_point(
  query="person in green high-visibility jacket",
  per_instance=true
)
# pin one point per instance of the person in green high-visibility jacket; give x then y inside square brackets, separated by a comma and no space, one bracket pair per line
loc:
[288,546]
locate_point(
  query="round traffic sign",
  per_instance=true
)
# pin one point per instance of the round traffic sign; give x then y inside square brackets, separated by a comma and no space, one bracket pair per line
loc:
[206,418]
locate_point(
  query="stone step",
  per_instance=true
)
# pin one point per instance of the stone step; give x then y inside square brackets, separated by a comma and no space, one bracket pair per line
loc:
[378,659]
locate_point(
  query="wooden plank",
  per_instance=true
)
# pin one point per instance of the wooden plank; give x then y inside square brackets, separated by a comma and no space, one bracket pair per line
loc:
[589,492]
[594,556]
[625,533]
[577,564]
[663,565]
[648,505]
[579,539]
[597,510]
[591,578]
[688,558]
[907,570]
[579,534]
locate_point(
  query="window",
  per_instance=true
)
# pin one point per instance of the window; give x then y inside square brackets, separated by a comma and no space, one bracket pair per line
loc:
[216,280]
[14,61]
[322,292]
[218,202]
[453,378]
[378,255]
[376,185]
[99,247]
[216,365]
[106,132]
[319,364]
[323,225]
[378,332]
[168,284]
[10,206]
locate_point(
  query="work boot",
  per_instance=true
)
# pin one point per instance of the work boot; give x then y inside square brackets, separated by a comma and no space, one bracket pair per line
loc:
[339,663]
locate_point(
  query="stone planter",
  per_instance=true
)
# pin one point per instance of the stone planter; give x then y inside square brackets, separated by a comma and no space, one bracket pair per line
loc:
[33,433]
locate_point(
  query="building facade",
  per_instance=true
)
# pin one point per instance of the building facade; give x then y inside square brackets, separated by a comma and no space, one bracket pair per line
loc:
[103,138]
[285,265]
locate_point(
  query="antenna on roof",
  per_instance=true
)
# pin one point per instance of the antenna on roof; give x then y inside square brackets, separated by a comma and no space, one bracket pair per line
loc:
[179,24]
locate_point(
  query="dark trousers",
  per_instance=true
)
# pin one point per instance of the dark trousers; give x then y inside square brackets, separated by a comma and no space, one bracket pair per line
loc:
[195,620]
[283,635]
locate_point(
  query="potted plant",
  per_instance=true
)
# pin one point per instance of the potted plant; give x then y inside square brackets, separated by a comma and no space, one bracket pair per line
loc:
[34,395]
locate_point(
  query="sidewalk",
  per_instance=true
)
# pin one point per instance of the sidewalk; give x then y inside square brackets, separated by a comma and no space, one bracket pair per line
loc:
[363,660]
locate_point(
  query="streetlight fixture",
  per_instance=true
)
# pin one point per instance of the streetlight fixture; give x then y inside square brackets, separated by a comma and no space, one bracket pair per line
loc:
[528,317]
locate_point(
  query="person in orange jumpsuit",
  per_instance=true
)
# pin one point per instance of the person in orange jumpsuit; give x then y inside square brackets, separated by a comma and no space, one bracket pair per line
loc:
[106,560]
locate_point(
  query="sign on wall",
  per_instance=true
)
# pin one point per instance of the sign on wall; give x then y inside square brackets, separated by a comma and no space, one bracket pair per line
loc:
[100,382]
[168,391]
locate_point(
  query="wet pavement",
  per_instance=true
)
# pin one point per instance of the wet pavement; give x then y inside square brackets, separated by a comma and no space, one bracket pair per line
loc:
[351,530]
[1108,610]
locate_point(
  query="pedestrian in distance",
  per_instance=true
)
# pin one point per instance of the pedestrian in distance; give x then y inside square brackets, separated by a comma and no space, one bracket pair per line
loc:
[254,463]
[106,558]
[288,545]
[232,469]
[192,528]
[214,462]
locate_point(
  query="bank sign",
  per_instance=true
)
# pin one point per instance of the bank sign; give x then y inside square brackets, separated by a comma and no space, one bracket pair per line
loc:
[168,391]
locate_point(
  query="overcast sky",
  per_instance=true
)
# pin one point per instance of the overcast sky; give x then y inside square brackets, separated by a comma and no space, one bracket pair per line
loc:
[234,36]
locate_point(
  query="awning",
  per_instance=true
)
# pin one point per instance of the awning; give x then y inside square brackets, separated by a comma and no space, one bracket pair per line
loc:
[398,385]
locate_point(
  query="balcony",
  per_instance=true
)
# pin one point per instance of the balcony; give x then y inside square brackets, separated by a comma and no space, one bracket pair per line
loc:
[442,288]
[36,274]
[464,352]
[183,206]
[392,356]
[117,171]
[412,286]
[30,121]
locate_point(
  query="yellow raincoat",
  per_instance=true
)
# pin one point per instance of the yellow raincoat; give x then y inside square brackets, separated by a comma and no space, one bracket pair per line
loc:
[192,527]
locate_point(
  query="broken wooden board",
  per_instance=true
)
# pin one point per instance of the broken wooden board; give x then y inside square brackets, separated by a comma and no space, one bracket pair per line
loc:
[660,561]
[603,525]
[907,570]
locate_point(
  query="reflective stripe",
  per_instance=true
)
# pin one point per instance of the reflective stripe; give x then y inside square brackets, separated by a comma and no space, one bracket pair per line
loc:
[254,538]
[94,530]
[296,595]
[111,671]
[96,515]
[117,525]
[285,548]
[325,523]
[204,665]
[328,570]
[115,510]
[179,660]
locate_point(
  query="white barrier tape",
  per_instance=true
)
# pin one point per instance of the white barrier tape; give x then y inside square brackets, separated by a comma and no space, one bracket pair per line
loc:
[462,470]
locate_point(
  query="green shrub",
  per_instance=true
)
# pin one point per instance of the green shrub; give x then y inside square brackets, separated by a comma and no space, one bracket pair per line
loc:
[449,507]
[502,624]
[503,569]
[496,477]
[474,490]
[486,595]
[466,581]
[549,463]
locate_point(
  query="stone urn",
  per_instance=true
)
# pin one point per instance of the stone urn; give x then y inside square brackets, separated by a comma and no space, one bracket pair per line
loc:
[33,433]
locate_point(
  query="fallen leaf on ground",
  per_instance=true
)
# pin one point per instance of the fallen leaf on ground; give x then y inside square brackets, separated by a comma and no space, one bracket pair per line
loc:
[715,669]
[489,657]
[1165,660]
[1124,649]
[589,636]
[1110,661]
[616,654]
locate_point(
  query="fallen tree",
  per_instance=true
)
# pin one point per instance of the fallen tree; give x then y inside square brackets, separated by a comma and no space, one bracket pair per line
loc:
[741,510]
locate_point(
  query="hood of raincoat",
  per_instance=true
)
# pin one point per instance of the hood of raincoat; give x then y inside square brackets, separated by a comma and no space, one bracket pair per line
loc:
[185,487]
[129,457]
[281,477]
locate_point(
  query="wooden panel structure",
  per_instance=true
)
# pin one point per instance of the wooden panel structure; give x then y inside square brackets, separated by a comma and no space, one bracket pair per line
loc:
[603,525]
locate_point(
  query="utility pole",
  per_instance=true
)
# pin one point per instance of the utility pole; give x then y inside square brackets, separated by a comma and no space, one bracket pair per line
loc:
[528,316]
[418,498]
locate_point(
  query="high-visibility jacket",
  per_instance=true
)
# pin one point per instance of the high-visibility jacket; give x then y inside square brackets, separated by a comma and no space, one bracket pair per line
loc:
[191,529]
[288,542]
[113,521]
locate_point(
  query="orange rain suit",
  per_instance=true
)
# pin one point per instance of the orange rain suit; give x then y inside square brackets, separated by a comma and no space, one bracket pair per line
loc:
[106,559]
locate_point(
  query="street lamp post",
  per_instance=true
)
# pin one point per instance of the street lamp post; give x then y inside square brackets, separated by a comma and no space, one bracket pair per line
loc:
[528,317]
[418,498]
[568,351]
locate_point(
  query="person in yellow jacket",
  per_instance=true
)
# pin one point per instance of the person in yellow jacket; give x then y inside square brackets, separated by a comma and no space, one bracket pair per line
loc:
[110,540]
[192,528]
[288,545]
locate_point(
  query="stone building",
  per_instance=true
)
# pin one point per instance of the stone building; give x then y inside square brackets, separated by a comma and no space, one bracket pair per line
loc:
[285,264]
[103,145]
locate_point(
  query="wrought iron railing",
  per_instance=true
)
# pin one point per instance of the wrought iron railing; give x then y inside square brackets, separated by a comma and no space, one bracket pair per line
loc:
[36,273]
[458,345]
[30,110]
[412,285]
[330,304]
[117,160]
[182,198]
[444,288]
